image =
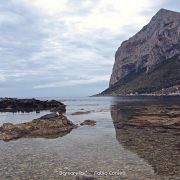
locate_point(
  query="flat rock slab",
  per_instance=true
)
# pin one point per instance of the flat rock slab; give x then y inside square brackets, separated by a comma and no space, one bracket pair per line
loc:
[149,116]
[55,126]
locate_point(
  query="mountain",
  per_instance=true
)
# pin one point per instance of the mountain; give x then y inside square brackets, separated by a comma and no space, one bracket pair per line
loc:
[149,62]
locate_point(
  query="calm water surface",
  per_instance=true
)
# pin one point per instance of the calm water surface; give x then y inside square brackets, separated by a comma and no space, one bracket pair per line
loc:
[102,150]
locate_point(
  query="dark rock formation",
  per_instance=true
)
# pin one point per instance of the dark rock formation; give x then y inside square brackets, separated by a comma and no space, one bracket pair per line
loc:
[88,122]
[29,105]
[149,62]
[52,125]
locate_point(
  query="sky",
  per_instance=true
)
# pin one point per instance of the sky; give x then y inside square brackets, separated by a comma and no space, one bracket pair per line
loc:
[54,48]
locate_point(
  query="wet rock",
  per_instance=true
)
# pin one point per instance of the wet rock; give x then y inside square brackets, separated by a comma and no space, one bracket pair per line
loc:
[52,115]
[9,136]
[146,116]
[46,126]
[88,122]
[8,126]
[81,112]
[29,105]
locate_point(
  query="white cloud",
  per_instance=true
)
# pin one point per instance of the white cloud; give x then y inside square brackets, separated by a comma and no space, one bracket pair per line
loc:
[92,79]
[102,14]
[49,6]
[60,43]
[2,77]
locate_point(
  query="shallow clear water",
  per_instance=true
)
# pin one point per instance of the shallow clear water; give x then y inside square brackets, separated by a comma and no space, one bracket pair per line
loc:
[101,150]
[19,117]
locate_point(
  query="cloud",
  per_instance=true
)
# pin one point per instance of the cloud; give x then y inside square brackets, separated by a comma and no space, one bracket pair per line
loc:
[90,80]
[52,45]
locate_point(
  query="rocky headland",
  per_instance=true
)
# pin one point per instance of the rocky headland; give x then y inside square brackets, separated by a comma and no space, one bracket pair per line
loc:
[149,62]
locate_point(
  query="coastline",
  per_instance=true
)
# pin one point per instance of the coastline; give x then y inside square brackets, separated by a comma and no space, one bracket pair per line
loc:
[135,95]
[112,137]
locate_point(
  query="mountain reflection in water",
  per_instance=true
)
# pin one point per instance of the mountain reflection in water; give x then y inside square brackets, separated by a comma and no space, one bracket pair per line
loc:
[158,146]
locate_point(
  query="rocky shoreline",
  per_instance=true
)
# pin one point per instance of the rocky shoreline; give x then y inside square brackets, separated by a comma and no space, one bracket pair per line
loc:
[135,95]
[54,124]
[48,126]
[30,105]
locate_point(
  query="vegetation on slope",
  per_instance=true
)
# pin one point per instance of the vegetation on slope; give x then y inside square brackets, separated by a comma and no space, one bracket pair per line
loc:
[164,75]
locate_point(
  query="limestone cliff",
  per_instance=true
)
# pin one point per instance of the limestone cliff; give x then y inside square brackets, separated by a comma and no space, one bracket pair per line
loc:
[156,47]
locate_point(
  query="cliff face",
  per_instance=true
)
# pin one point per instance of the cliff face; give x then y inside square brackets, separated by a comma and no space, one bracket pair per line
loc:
[153,45]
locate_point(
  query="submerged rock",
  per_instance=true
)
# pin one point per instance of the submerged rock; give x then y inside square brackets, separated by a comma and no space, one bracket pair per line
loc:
[46,126]
[88,122]
[150,130]
[29,105]
[81,112]
[151,116]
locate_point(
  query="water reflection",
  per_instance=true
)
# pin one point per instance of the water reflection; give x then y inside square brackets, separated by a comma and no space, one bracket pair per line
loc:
[158,146]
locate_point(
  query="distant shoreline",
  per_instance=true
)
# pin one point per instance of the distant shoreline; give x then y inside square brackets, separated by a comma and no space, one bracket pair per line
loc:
[136,95]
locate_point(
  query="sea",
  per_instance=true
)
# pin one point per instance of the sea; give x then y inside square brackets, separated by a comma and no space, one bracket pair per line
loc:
[103,151]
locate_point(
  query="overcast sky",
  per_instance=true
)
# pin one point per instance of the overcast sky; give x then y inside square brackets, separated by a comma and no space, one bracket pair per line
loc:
[66,47]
